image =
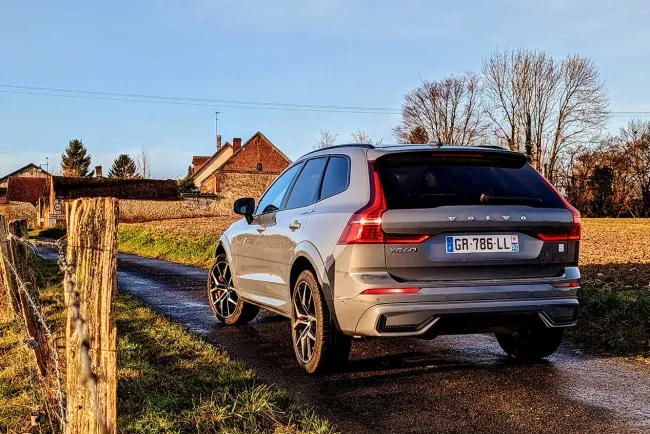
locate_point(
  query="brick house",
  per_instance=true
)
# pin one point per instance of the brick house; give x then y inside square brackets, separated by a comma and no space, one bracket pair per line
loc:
[237,169]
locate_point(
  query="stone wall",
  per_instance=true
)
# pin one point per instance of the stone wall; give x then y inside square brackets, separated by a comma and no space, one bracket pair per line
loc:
[19,211]
[233,185]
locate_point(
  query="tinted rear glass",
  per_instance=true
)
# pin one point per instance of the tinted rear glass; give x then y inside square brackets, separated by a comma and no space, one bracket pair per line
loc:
[427,184]
[336,177]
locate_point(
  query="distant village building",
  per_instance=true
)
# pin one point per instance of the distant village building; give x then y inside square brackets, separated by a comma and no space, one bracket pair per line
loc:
[29,171]
[239,170]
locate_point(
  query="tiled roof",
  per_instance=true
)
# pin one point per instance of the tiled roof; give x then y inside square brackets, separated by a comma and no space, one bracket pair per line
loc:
[199,160]
[24,189]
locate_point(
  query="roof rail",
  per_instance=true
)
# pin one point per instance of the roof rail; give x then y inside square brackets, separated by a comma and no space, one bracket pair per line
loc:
[349,145]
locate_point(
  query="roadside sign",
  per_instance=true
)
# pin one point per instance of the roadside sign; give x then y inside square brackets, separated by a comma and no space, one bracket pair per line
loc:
[58,207]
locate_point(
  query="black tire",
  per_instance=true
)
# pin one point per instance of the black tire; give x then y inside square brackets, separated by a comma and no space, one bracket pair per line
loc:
[330,347]
[234,311]
[533,343]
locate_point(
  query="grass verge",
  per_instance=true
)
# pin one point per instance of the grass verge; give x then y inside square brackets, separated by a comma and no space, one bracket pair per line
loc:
[614,322]
[170,380]
[52,233]
[191,250]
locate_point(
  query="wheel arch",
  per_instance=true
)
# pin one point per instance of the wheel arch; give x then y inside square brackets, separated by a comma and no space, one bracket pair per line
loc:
[307,257]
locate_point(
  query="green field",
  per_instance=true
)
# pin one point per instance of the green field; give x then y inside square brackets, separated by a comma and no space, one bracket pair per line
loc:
[170,381]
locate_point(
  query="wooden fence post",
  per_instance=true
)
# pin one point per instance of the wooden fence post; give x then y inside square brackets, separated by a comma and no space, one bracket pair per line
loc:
[10,308]
[24,266]
[92,254]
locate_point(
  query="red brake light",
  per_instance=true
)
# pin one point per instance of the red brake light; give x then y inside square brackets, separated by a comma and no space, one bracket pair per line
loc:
[573,284]
[364,226]
[456,155]
[387,291]
[576,230]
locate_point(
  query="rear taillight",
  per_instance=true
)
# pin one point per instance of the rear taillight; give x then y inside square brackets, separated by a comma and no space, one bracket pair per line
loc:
[364,226]
[576,230]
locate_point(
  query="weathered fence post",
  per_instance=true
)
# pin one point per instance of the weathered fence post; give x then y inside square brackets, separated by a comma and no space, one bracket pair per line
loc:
[25,268]
[10,301]
[91,332]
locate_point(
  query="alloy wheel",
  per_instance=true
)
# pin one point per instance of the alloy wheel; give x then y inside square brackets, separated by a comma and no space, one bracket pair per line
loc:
[304,325]
[223,296]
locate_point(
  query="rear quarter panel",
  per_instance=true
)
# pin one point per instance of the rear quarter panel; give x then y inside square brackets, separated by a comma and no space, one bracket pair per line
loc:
[331,215]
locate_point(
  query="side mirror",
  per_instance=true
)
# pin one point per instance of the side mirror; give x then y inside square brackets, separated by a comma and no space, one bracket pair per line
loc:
[245,206]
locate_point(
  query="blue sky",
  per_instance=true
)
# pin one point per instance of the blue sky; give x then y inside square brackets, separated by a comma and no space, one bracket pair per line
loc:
[328,52]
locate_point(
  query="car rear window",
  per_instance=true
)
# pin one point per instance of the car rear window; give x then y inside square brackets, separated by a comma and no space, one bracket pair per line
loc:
[429,183]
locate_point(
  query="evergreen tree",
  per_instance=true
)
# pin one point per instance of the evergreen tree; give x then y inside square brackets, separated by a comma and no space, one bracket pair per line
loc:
[75,161]
[123,167]
[186,185]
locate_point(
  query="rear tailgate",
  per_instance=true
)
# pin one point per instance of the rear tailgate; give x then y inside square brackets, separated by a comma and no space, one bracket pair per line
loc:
[482,215]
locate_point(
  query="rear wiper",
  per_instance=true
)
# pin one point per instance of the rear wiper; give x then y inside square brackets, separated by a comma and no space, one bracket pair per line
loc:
[509,200]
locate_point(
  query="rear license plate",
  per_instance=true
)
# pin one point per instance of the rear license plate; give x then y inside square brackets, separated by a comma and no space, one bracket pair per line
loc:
[482,243]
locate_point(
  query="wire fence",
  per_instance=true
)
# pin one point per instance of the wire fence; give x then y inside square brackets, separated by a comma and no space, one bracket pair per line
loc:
[48,386]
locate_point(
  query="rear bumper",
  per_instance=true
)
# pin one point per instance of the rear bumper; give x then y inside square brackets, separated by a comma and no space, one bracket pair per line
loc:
[459,307]
[407,319]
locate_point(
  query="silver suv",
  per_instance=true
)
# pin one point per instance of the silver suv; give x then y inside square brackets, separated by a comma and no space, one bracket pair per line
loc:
[409,240]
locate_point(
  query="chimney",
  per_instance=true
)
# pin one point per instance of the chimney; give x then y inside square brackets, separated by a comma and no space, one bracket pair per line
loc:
[236,144]
[98,172]
[218,142]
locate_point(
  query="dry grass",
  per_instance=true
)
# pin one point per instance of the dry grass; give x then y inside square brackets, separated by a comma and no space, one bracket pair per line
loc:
[615,241]
[615,253]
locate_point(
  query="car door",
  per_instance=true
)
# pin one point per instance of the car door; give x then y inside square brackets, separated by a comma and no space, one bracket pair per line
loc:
[249,245]
[284,231]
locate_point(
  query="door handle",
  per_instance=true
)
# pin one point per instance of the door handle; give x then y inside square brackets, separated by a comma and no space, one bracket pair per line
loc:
[295,225]
[261,229]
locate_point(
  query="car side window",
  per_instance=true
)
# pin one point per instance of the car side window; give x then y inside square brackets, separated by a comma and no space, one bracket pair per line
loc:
[305,191]
[337,175]
[274,196]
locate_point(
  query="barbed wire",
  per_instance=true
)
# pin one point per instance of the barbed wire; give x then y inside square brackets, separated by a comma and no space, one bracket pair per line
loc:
[88,377]
[35,307]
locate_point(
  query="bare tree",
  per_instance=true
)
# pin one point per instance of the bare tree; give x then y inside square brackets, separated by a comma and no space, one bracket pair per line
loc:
[143,161]
[450,109]
[360,136]
[634,140]
[542,106]
[325,140]
[581,108]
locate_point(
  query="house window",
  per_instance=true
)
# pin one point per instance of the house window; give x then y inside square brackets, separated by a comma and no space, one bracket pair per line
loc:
[259,167]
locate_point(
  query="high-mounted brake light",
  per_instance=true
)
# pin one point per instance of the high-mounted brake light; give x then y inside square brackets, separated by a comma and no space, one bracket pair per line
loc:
[364,226]
[456,155]
[388,291]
